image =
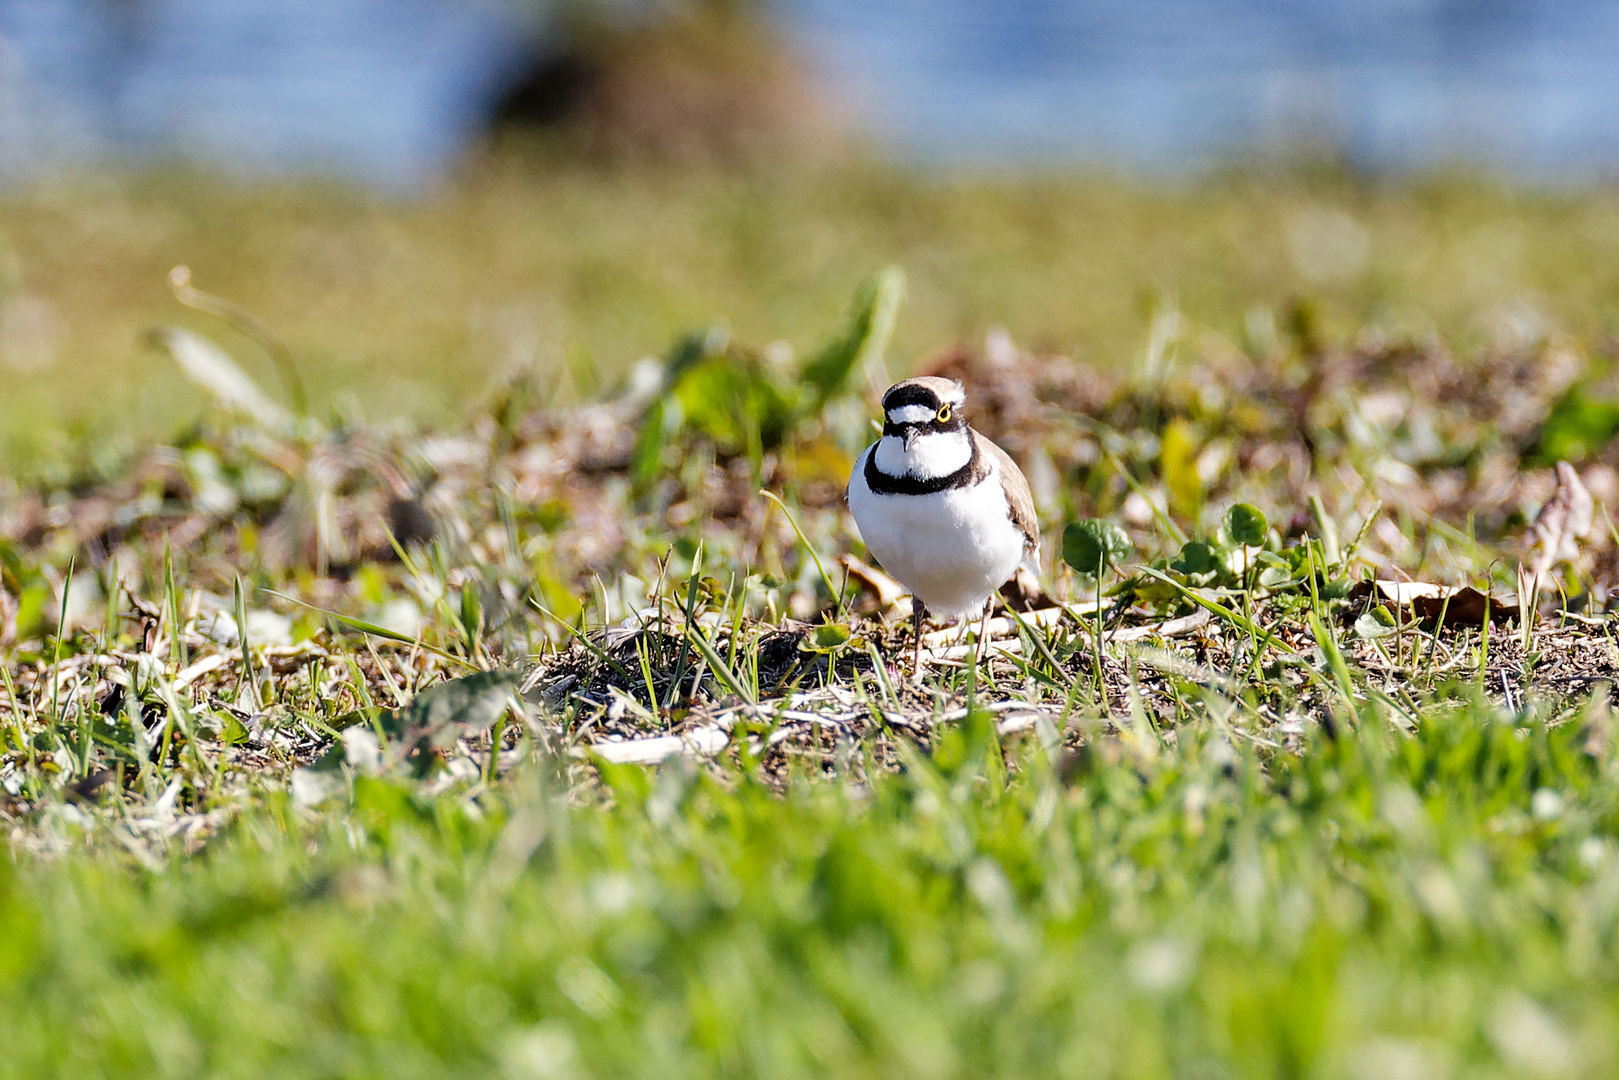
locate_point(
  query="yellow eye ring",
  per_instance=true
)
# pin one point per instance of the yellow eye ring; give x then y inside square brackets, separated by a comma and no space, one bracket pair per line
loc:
[944,414]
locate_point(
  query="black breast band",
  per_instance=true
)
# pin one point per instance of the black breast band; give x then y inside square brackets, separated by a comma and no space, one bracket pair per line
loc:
[968,475]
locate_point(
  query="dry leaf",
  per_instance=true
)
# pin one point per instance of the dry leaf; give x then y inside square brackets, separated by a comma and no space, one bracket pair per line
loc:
[880,587]
[1023,592]
[1168,628]
[1567,519]
[704,741]
[1459,605]
[1002,631]
[212,369]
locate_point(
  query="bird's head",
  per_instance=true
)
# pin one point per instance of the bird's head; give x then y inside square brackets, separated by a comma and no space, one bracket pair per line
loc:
[924,430]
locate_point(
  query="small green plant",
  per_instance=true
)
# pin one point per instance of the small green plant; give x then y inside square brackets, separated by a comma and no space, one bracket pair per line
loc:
[710,388]
[1580,424]
[1091,547]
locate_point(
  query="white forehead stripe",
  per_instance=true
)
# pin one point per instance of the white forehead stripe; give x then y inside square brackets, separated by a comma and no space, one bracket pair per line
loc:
[910,414]
[956,396]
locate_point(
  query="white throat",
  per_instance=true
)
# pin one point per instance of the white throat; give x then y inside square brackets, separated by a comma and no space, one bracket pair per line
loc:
[930,457]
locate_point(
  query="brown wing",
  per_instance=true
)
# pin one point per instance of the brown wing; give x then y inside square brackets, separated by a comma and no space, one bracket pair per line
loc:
[1018,497]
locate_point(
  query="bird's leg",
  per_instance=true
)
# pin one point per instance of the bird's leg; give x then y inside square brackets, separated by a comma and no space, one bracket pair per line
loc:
[919,611]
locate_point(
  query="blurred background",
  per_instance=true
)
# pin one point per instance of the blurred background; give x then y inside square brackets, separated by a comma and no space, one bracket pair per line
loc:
[392,91]
[426,197]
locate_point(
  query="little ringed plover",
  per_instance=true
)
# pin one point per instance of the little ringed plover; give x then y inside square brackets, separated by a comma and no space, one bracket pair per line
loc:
[942,508]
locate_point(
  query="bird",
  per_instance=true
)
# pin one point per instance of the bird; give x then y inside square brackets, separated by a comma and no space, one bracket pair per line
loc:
[942,508]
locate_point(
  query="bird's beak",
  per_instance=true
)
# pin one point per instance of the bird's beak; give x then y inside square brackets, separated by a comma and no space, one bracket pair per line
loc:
[911,435]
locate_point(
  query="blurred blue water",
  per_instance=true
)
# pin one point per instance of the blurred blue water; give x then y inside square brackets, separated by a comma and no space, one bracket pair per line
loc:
[1528,84]
[391,89]
[385,89]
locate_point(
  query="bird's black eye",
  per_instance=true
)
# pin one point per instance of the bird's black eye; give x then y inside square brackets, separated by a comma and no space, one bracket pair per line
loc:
[944,414]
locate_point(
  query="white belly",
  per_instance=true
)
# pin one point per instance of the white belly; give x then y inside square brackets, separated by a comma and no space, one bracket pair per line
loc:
[952,548]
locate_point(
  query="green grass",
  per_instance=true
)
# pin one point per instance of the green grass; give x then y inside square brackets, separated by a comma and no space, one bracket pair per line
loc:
[1438,903]
[418,307]
[1307,839]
